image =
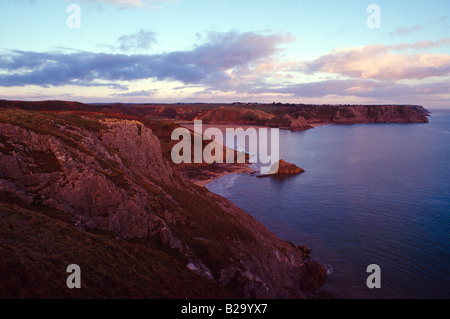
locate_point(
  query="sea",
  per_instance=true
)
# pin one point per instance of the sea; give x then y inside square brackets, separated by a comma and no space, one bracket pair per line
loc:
[371,194]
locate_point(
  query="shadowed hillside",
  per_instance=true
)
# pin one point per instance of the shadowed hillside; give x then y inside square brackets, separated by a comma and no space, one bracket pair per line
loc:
[95,189]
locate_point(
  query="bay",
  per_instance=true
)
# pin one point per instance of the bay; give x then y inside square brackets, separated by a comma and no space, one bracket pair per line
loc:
[371,194]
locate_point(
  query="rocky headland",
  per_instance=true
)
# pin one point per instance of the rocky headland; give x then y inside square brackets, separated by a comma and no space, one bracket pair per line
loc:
[289,116]
[94,185]
[302,117]
[101,186]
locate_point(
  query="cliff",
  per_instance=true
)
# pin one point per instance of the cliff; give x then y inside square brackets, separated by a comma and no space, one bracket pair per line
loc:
[290,116]
[380,114]
[301,117]
[236,115]
[105,182]
[91,184]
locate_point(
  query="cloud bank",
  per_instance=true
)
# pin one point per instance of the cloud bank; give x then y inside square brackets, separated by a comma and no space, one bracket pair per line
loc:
[206,63]
[382,62]
[246,64]
[142,40]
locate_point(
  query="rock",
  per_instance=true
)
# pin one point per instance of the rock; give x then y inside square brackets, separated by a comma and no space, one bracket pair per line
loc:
[380,114]
[284,168]
[299,124]
[94,179]
[314,275]
[236,115]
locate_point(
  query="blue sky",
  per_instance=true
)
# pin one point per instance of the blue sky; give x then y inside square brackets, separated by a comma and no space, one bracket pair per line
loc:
[298,51]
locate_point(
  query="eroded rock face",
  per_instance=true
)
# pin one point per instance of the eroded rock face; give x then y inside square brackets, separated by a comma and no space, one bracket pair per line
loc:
[299,124]
[380,114]
[284,168]
[116,179]
[235,115]
[83,179]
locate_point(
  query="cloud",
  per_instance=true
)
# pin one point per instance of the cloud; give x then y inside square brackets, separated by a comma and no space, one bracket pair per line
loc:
[138,41]
[420,45]
[417,27]
[381,62]
[206,63]
[142,93]
[241,64]
[406,30]
[358,88]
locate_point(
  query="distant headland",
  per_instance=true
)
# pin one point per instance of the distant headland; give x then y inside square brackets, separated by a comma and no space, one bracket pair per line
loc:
[289,116]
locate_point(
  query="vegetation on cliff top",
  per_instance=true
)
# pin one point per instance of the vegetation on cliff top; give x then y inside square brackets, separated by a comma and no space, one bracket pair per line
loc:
[36,240]
[228,241]
[35,247]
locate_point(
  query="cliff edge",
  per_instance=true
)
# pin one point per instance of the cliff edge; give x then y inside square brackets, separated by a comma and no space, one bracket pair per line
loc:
[301,117]
[107,177]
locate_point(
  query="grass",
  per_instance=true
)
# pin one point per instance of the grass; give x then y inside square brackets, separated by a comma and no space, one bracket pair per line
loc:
[45,121]
[36,245]
[36,248]
[35,251]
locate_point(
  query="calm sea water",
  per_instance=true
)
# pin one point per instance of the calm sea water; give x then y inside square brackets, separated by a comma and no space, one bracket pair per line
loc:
[371,194]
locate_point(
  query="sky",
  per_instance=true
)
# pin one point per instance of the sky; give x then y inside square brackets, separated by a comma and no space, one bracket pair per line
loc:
[168,51]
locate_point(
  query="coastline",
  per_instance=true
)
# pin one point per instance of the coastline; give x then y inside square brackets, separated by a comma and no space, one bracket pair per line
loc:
[221,127]
[222,169]
[192,202]
[232,169]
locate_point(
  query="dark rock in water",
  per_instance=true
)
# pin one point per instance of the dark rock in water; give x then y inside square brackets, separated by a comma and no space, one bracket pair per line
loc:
[285,168]
[314,275]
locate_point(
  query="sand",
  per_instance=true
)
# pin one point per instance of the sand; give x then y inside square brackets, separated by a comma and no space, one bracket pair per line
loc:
[237,168]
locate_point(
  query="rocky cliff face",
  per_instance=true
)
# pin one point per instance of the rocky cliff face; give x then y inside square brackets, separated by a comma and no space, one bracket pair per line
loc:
[235,115]
[380,114]
[291,116]
[299,123]
[99,179]
[301,117]
[109,175]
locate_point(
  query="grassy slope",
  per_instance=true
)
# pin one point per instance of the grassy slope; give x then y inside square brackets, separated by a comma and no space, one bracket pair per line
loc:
[35,249]
[35,243]
[34,246]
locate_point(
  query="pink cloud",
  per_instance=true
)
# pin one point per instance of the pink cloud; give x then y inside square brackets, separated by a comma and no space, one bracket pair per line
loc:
[407,30]
[381,62]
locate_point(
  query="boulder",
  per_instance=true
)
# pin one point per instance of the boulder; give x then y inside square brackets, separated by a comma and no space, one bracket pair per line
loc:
[284,168]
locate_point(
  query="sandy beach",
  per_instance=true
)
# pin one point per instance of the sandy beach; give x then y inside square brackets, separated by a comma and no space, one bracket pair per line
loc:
[221,127]
[205,174]
[232,169]
[222,169]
